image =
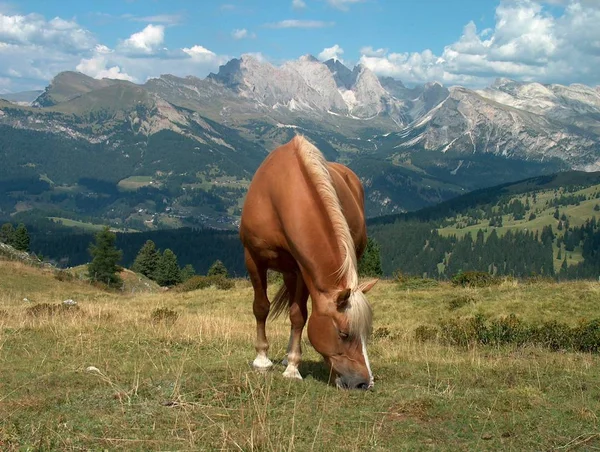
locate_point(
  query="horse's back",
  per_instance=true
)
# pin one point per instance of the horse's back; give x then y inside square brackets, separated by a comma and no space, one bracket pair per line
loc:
[280,200]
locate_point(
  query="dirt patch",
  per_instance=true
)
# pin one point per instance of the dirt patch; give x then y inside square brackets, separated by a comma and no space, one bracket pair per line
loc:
[416,409]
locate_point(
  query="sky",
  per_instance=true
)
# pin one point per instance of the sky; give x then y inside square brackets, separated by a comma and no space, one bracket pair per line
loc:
[454,42]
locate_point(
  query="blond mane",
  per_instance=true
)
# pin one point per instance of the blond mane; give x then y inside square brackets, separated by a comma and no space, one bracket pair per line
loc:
[359,311]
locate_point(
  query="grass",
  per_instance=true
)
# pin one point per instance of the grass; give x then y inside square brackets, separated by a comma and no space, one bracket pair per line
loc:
[170,371]
[132,183]
[577,215]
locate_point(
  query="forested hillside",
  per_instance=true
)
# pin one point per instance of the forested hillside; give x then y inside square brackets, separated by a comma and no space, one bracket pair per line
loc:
[541,226]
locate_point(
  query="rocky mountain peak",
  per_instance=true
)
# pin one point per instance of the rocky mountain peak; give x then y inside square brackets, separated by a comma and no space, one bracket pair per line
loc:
[344,77]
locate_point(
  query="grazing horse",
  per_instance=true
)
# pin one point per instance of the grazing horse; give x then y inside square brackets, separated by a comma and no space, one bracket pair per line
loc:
[304,217]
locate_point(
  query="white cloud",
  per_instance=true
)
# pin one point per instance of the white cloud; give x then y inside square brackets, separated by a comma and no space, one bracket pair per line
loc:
[295,23]
[298,4]
[33,50]
[371,52]
[146,41]
[33,29]
[242,33]
[527,43]
[335,52]
[200,53]
[343,4]
[97,67]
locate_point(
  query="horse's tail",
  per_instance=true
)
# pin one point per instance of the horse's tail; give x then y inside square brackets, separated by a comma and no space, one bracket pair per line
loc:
[281,302]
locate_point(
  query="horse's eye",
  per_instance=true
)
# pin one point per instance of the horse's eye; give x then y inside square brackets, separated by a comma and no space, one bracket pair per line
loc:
[343,335]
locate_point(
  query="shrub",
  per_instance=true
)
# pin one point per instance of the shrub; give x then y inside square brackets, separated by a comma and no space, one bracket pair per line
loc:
[165,315]
[474,279]
[426,333]
[202,282]
[460,301]
[63,275]
[510,330]
[586,336]
[414,282]
[49,309]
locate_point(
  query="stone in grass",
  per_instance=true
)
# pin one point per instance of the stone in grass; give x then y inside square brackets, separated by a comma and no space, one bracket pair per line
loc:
[69,302]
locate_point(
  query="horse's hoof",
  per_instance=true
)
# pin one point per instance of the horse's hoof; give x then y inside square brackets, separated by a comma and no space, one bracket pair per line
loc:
[284,362]
[293,373]
[262,363]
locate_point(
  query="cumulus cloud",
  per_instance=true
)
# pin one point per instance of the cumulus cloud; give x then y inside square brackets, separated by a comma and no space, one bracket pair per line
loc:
[33,50]
[295,23]
[298,4]
[527,43]
[335,52]
[33,29]
[98,66]
[146,41]
[242,33]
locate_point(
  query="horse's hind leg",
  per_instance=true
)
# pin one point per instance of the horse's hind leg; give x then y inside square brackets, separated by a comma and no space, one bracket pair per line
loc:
[260,307]
[298,315]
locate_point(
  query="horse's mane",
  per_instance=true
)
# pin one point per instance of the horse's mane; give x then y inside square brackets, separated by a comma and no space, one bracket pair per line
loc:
[358,311]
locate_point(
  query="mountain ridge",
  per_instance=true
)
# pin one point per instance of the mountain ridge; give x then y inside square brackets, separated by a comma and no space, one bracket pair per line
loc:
[411,146]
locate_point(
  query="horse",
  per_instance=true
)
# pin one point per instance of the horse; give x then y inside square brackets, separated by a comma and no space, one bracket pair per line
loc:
[304,217]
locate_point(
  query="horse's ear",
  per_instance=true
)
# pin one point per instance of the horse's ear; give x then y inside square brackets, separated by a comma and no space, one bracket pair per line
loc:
[342,299]
[366,286]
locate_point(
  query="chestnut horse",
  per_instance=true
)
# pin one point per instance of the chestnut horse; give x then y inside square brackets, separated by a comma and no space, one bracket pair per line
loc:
[304,217]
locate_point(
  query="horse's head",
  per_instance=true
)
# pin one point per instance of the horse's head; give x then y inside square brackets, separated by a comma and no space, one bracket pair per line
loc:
[339,331]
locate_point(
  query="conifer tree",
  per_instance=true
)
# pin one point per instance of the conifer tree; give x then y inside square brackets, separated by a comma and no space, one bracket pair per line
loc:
[146,260]
[167,270]
[6,233]
[187,272]
[370,262]
[105,256]
[218,269]
[20,238]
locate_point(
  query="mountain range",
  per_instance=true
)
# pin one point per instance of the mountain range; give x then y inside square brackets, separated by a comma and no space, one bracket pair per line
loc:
[180,151]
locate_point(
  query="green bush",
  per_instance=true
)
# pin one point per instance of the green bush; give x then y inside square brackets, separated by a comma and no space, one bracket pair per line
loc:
[426,333]
[414,282]
[165,315]
[510,330]
[49,309]
[460,300]
[202,282]
[63,275]
[474,279]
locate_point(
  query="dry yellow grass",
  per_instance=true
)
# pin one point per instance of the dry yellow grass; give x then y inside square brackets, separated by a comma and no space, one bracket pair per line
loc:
[187,384]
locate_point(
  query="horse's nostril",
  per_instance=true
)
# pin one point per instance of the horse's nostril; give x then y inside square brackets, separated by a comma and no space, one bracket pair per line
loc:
[362,386]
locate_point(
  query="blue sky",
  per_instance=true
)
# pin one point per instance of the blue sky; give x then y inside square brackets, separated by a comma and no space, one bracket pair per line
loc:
[468,42]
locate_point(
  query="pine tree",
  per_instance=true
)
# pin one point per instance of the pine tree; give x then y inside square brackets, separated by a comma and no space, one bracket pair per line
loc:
[187,272]
[559,254]
[218,269]
[167,270]
[146,260]
[370,262]
[564,266]
[6,233]
[20,239]
[105,256]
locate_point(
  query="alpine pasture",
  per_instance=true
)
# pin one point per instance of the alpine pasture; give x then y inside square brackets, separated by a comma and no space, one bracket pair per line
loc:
[155,370]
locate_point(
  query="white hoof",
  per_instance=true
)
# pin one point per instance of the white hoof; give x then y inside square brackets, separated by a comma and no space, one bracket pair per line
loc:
[261,362]
[292,372]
